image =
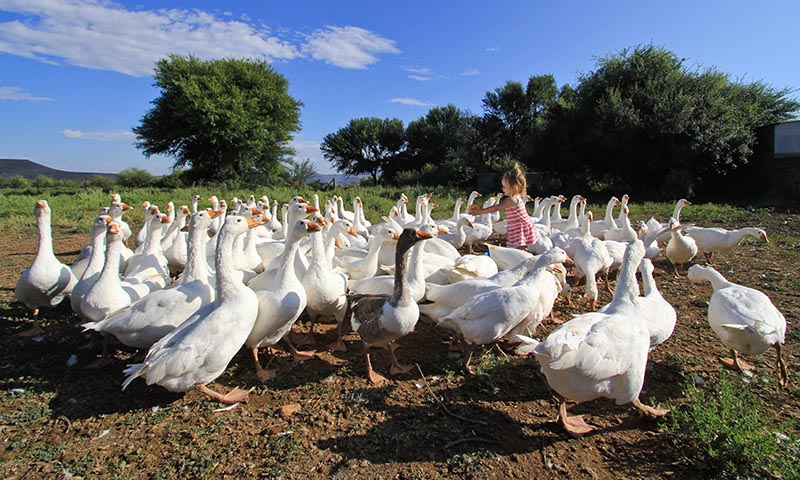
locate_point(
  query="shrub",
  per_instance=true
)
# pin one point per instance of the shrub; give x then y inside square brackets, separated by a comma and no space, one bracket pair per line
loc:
[18,181]
[721,430]
[102,182]
[136,178]
[43,181]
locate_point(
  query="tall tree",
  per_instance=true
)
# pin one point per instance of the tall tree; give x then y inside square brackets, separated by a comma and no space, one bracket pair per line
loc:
[226,118]
[365,145]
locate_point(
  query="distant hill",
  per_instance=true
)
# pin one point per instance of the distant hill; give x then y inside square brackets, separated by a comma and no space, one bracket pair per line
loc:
[10,167]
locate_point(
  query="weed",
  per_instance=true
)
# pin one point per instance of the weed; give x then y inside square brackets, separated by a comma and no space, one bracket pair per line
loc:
[278,452]
[47,454]
[721,430]
[26,416]
[470,464]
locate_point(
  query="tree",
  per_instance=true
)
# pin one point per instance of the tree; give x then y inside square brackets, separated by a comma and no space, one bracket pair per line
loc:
[643,122]
[228,118]
[136,178]
[301,171]
[365,145]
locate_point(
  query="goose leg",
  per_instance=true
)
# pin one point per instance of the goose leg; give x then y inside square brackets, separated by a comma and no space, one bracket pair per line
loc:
[374,377]
[783,374]
[36,329]
[104,358]
[395,367]
[650,411]
[338,344]
[237,395]
[467,366]
[297,355]
[709,257]
[575,426]
[735,363]
[263,374]
[605,282]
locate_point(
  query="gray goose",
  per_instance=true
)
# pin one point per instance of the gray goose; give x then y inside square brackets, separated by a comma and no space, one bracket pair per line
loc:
[380,320]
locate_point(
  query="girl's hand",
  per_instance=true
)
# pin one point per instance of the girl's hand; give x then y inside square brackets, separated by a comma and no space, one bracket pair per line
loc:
[473,209]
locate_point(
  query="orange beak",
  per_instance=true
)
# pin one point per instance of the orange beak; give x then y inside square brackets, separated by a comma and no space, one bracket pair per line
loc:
[113,228]
[395,236]
[41,204]
[421,234]
[352,231]
[252,222]
[126,207]
[255,212]
[313,227]
[311,208]
[185,228]
[213,213]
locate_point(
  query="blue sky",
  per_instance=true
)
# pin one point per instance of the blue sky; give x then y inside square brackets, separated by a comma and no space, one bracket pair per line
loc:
[76,75]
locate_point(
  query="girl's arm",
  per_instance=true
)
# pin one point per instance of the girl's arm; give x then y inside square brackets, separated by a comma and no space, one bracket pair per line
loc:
[504,204]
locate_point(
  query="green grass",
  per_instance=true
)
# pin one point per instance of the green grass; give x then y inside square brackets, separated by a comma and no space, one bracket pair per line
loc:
[721,430]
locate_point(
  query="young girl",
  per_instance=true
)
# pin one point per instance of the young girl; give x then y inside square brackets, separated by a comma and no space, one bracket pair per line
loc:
[521,231]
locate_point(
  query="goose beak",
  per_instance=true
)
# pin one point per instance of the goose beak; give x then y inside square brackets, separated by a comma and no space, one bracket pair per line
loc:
[439,229]
[185,210]
[41,204]
[338,243]
[764,237]
[154,210]
[252,222]
[478,194]
[352,231]
[265,218]
[301,200]
[109,220]
[313,227]
[568,262]
[469,223]
[214,213]
[311,208]
[185,228]
[126,207]
[164,219]
[113,228]
[423,235]
[395,236]
[255,212]
[686,202]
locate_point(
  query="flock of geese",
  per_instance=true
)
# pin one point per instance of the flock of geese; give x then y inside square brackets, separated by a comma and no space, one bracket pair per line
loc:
[202,283]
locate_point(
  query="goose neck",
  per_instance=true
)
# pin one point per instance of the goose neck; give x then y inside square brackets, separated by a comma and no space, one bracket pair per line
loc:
[223,260]
[45,234]
[401,294]
[196,264]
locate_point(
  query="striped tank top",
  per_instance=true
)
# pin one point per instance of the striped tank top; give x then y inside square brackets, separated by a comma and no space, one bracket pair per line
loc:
[521,231]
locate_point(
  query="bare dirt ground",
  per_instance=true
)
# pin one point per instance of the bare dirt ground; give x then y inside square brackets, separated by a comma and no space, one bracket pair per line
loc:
[320,418]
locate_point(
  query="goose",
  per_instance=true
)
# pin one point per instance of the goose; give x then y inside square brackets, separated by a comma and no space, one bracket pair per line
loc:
[479,232]
[270,251]
[150,267]
[367,267]
[199,349]
[177,220]
[281,299]
[141,235]
[599,354]
[402,210]
[471,266]
[680,248]
[550,284]
[657,312]
[712,240]
[591,257]
[744,319]
[158,313]
[216,204]
[458,238]
[451,222]
[572,220]
[326,290]
[446,298]
[624,232]
[489,316]
[506,257]
[95,266]
[195,201]
[342,213]
[46,281]
[384,284]
[599,227]
[177,251]
[655,225]
[116,210]
[381,320]
[110,294]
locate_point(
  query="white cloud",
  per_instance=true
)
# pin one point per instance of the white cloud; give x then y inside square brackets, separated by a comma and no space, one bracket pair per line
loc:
[491,49]
[306,148]
[419,71]
[410,101]
[419,78]
[107,135]
[103,35]
[347,47]
[16,93]
[470,72]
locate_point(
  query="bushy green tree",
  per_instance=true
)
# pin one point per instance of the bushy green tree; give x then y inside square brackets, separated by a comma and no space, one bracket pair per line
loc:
[645,123]
[223,119]
[301,171]
[365,146]
[136,178]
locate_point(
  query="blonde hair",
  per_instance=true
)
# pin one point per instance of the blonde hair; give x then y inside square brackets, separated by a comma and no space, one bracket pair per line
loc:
[515,179]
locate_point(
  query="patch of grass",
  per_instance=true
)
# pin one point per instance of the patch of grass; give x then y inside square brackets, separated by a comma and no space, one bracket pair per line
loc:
[278,451]
[469,464]
[26,416]
[721,430]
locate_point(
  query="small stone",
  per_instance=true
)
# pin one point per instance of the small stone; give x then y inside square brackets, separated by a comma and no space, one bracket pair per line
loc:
[289,409]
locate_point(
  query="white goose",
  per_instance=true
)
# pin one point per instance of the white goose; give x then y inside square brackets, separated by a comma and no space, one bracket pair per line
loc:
[96,260]
[326,290]
[712,240]
[680,248]
[150,267]
[367,267]
[599,227]
[655,225]
[141,235]
[177,250]
[458,238]
[745,320]
[281,299]
[572,220]
[379,321]
[199,350]
[489,316]
[46,281]
[158,313]
[600,354]
[591,257]
[624,232]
